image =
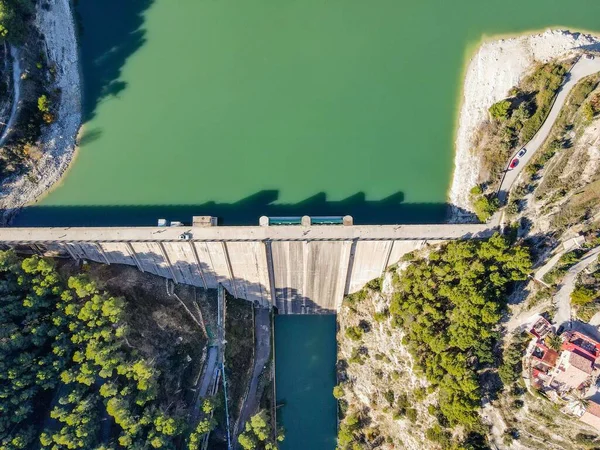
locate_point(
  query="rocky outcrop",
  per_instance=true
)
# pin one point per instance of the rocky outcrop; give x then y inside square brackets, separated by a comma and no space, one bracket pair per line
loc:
[58,141]
[495,68]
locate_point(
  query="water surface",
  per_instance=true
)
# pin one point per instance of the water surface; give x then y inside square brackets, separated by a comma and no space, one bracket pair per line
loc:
[276,107]
[305,355]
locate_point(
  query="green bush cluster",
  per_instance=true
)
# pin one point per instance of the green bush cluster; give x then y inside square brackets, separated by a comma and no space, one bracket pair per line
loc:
[257,433]
[484,205]
[546,81]
[448,306]
[70,338]
[14,15]
[511,367]
[205,425]
[583,295]
[354,332]
[500,110]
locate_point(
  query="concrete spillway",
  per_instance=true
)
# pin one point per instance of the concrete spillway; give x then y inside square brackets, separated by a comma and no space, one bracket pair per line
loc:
[298,269]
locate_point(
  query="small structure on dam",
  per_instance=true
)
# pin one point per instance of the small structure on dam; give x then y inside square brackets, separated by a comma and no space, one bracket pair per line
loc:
[304,268]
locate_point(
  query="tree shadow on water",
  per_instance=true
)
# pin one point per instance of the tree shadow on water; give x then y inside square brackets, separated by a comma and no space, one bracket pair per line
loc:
[390,210]
[110,31]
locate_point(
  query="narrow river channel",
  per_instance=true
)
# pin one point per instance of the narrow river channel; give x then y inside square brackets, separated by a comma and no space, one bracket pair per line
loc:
[305,355]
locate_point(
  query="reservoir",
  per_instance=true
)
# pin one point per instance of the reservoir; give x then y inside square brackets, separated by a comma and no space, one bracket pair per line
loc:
[238,108]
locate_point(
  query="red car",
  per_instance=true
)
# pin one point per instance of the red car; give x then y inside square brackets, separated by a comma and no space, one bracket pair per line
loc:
[514,163]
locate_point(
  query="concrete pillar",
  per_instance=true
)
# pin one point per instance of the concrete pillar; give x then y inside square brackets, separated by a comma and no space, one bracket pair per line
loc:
[306,260]
[345,272]
[348,279]
[101,251]
[387,257]
[229,269]
[197,260]
[168,261]
[134,256]
[73,255]
[270,271]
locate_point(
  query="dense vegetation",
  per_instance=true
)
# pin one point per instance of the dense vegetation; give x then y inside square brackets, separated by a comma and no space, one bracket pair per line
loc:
[484,205]
[258,435]
[516,119]
[14,15]
[512,358]
[448,306]
[64,347]
[586,295]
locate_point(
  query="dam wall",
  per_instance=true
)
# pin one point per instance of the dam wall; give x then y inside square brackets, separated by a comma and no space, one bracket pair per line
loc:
[298,269]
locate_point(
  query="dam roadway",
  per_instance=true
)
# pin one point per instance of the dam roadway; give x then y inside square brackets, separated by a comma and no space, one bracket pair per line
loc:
[298,269]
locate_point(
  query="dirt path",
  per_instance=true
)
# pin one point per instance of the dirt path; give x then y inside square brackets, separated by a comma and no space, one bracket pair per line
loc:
[262,325]
[16,72]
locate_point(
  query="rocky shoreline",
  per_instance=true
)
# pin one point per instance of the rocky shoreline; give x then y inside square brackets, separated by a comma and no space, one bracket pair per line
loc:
[58,140]
[495,68]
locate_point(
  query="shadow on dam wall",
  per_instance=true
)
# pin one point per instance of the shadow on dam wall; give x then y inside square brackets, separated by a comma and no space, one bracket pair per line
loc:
[390,210]
[209,265]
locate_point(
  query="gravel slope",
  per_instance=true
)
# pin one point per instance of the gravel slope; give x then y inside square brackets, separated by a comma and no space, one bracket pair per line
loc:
[58,141]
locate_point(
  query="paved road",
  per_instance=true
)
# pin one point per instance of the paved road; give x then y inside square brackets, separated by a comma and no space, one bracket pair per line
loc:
[262,351]
[246,233]
[581,69]
[209,372]
[563,296]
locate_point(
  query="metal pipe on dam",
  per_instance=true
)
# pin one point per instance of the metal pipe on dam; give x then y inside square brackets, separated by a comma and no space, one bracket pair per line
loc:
[301,269]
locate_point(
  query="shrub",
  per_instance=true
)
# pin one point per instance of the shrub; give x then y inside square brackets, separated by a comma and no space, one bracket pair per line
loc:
[476,190]
[438,435]
[375,284]
[355,333]
[513,207]
[338,392]
[43,103]
[588,112]
[389,396]
[500,110]
[381,316]
[582,295]
[485,207]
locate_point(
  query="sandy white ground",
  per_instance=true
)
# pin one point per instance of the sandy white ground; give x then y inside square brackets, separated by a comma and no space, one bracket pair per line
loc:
[57,143]
[495,68]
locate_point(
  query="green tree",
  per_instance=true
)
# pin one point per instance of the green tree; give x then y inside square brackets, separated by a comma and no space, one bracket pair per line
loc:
[582,295]
[338,391]
[500,110]
[554,341]
[448,305]
[43,103]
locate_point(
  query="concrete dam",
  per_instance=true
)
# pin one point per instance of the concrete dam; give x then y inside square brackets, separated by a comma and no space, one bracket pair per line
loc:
[299,269]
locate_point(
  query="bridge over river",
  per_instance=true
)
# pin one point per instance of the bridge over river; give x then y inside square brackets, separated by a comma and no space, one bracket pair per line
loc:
[300,269]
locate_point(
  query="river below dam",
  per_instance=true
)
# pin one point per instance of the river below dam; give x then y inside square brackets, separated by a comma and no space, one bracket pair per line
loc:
[237,109]
[305,355]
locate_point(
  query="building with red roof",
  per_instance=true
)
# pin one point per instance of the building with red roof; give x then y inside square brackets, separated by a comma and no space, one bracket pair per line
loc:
[591,416]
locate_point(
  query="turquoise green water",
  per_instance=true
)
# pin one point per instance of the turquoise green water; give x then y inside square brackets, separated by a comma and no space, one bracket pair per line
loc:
[276,107]
[305,355]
